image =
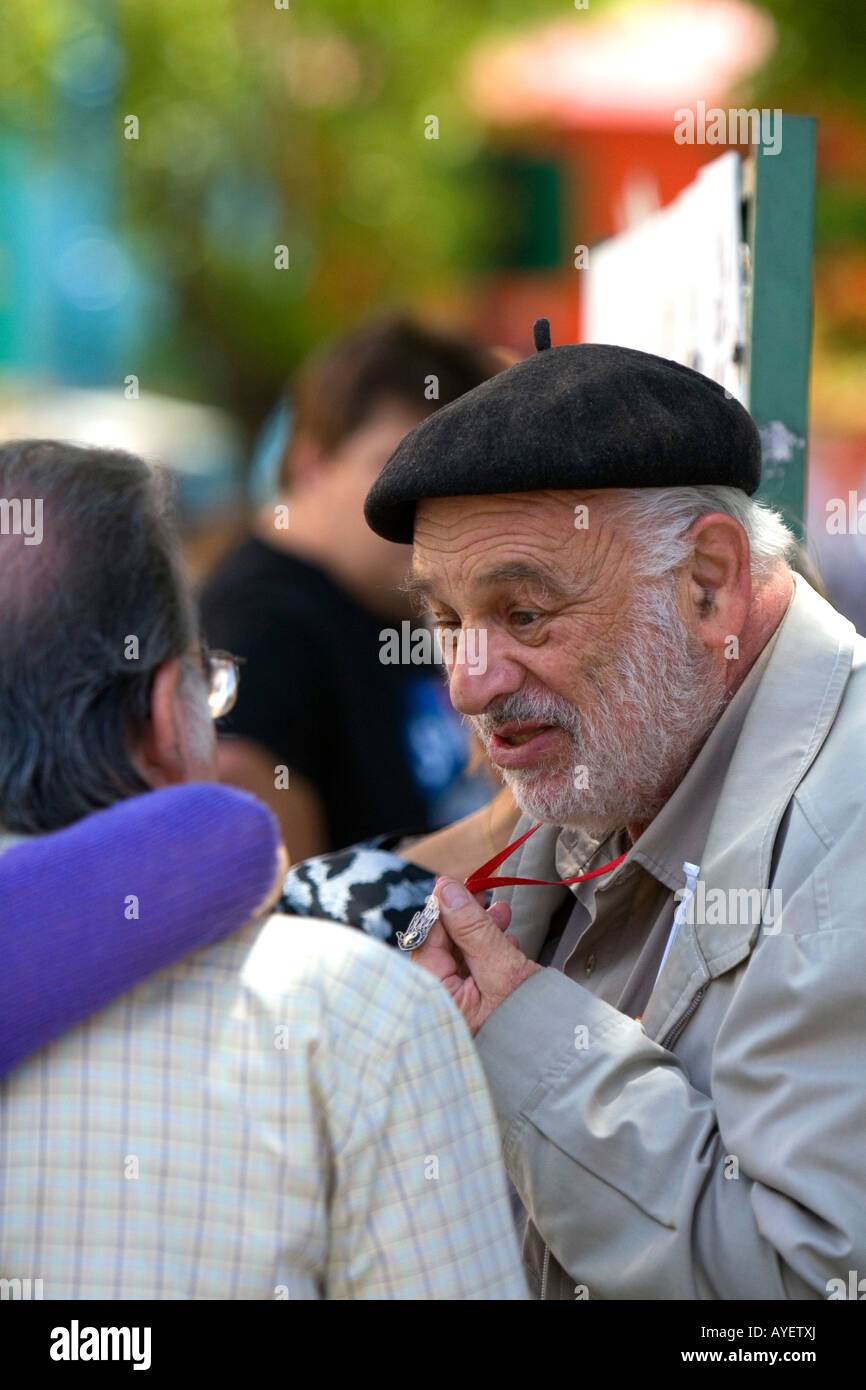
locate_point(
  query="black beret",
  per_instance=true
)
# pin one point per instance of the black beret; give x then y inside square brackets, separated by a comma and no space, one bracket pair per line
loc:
[584,416]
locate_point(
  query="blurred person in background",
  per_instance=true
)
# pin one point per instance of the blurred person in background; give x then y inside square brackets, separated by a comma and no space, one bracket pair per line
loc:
[337,743]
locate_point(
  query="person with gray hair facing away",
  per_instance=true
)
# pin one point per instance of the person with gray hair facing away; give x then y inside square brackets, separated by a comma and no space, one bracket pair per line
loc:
[287,1113]
[673,1027]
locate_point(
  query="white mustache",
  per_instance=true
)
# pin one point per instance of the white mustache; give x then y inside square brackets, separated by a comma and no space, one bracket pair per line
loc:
[555,712]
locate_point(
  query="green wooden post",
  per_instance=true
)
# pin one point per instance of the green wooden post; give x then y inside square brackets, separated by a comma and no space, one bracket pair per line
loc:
[780,226]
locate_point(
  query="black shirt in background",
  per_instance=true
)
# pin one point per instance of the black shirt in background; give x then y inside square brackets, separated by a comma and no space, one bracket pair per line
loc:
[380,743]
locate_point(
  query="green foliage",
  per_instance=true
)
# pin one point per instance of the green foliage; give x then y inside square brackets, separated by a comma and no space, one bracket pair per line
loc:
[261,127]
[305,127]
[819,57]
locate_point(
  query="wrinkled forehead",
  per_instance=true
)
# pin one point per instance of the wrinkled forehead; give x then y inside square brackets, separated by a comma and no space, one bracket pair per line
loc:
[560,535]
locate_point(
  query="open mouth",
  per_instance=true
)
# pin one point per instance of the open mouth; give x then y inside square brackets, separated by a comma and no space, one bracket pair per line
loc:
[515,735]
[517,740]
[515,745]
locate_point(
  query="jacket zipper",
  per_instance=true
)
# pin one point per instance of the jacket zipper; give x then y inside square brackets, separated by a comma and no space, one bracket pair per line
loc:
[678,1027]
[544,1270]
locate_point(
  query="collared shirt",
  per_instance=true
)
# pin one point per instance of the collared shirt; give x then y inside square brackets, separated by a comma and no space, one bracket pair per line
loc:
[612,938]
[293,1112]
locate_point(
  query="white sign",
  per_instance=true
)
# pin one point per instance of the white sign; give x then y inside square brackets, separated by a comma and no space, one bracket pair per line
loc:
[676,283]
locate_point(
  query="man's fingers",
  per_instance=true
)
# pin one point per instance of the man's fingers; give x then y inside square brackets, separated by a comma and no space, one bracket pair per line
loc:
[483,964]
[501,914]
[473,930]
[439,954]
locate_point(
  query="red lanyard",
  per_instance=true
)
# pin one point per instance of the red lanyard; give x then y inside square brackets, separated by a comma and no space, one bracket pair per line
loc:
[482,879]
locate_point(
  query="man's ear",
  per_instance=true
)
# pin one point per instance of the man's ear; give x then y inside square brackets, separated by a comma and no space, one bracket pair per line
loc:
[159,755]
[718,579]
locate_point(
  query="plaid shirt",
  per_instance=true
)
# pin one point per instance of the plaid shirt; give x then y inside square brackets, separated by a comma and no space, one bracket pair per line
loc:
[291,1113]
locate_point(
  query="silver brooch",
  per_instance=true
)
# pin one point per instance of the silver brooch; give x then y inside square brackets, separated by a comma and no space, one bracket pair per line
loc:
[420,927]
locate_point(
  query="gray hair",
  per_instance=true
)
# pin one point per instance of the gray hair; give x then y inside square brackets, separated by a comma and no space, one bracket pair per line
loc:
[74,690]
[660,518]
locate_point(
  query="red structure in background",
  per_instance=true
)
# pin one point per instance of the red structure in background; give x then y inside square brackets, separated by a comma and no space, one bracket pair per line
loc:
[598,96]
[608,172]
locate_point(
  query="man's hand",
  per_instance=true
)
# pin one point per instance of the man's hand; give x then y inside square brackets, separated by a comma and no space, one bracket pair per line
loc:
[470,953]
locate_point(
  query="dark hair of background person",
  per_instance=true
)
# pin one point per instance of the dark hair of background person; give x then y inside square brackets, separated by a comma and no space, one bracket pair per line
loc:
[107,569]
[342,386]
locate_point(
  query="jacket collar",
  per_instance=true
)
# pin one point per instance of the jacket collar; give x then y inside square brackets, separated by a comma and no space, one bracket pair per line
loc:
[790,716]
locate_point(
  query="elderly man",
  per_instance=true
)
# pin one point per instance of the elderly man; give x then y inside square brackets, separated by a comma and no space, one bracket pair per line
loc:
[673,1028]
[289,1113]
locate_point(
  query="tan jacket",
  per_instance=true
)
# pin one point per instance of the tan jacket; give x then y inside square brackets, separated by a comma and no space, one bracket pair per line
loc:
[717,1149]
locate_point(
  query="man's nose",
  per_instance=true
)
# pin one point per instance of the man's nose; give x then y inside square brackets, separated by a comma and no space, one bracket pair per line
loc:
[479,671]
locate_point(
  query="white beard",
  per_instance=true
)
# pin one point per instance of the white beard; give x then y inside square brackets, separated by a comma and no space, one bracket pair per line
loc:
[655,705]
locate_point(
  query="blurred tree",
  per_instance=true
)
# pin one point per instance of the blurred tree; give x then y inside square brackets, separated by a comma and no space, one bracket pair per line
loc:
[262,127]
[818,68]
[310,127]
[819,56]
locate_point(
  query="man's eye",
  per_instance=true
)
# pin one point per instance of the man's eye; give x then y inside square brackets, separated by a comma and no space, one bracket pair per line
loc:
[522,617]
[446,622]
